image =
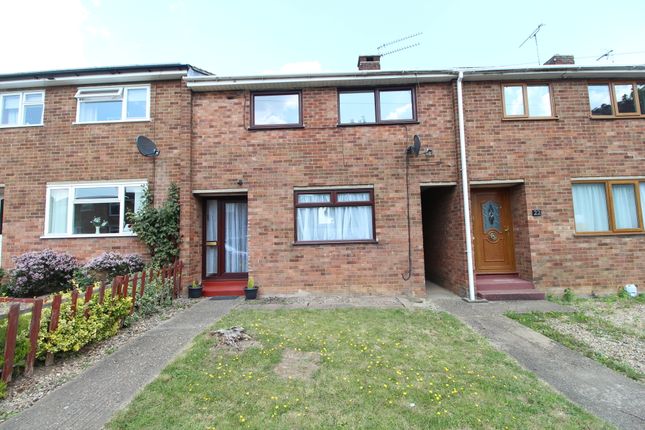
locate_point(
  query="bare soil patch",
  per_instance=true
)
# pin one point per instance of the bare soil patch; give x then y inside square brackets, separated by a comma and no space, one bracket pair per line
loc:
[298,364]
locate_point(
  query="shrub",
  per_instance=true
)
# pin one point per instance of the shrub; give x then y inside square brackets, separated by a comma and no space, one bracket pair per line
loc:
[156,296]
[41,272]
[76,331]
[110,264]
[158,227]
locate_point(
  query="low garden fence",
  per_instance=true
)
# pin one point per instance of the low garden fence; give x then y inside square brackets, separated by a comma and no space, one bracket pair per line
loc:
[129,288]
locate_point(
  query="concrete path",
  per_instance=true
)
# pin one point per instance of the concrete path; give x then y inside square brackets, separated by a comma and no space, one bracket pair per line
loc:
[89,400]
[603,392]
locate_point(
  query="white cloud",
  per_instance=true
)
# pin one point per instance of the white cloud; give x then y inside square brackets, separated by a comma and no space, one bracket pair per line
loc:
[402,112]
[297,67]
[42,34]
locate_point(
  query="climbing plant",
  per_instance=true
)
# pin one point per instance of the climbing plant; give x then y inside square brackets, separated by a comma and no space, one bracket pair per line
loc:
[158,227]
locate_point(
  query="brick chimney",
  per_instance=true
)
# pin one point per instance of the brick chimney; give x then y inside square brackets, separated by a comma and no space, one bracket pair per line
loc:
[369,62]
[560,59]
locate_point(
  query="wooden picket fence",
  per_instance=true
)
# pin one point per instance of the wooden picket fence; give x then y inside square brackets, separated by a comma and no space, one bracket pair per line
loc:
[122,286]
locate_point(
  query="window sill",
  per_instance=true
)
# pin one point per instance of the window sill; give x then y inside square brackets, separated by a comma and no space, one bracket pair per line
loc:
[610,233]
[368,124]
[539,118]
[86,236]
[22,126]
[337,242]
[276,127]
[111,122]
[611,117]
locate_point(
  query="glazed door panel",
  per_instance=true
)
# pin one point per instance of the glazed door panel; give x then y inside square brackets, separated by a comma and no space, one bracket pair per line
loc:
[493,232]
[225,243]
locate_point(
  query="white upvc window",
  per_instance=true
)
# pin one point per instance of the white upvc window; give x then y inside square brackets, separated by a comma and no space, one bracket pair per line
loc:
[22,109]
[113,104]
[92,208]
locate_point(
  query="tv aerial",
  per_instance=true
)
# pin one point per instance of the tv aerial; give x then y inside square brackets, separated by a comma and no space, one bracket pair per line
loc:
[394,45]
[606,55]
[534,37]
[147,147]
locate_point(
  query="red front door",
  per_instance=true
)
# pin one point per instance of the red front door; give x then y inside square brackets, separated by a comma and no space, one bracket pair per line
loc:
[225,244]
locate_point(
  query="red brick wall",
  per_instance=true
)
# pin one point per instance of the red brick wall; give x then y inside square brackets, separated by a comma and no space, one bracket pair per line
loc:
[547,154]
[444,237]
[63,151]
[521,232]
[273,162]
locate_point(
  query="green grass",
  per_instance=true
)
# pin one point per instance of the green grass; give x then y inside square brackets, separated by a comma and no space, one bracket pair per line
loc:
[380,369]
[591,314]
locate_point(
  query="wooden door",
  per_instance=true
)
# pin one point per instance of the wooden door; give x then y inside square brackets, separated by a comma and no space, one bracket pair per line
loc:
[225,243]
[493,231]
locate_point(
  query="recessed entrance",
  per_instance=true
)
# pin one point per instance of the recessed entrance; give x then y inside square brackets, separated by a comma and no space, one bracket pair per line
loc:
[493,231]
[225,241]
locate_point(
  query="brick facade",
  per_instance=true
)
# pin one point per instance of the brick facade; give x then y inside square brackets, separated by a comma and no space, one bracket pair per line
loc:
[206,144]
[62,151]
[547,154]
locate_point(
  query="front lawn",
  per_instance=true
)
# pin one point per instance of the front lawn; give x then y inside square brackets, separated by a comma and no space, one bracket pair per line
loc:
[366,368]
[610,330]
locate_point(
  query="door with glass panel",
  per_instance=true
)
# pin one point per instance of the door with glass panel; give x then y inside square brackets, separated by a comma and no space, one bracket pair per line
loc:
[225,249]
[493,231]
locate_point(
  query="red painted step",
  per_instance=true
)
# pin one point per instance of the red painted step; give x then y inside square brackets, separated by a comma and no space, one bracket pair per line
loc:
[223,288]
[506,287]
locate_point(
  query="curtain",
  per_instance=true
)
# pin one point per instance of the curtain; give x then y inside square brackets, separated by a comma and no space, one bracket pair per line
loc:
[211,235]
[336,223]
[58,211]
[590,207]
[236,238]
[643,200]
[625,212]
[9,109]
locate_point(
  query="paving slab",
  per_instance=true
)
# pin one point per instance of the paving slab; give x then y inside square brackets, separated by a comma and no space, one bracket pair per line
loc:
[91,399]
[598,389]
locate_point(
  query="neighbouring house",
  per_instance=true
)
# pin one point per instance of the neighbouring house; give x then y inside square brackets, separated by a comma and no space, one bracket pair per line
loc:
[311,183]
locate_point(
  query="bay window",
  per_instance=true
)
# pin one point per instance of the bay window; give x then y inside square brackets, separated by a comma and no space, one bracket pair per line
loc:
[91,209]
[609,206]
[109,104]
[334,216]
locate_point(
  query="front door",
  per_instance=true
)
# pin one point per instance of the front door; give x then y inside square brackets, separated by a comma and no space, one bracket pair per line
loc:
[493,231]
[225,247]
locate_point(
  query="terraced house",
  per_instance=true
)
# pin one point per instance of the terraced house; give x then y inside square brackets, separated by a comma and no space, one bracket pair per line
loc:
[350,183]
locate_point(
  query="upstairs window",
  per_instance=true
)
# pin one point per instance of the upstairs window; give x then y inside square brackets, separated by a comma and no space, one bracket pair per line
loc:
[609,206]
[378,106]
[617,99]
[527,101]
[276,110]
[91,209]
[110,104]
[22,109]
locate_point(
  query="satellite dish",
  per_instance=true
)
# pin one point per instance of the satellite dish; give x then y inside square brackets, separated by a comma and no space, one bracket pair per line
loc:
[147,147]
[415,147]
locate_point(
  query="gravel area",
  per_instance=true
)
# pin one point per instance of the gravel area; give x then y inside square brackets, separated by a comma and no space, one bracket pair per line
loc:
[24,392]
[629,350]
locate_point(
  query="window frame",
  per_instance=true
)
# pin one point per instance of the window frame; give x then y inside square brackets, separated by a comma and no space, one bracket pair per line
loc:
[613,231]
[72,200]
[299,124]
[118,93]
[21,108]
[377,105]
[526,116]
[614,104]
[333,202]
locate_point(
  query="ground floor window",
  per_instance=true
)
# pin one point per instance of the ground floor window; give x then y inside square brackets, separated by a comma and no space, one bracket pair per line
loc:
[609,206]
[91,208]
[345,215]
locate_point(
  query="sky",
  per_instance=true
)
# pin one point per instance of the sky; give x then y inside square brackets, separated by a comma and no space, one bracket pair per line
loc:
[270,37]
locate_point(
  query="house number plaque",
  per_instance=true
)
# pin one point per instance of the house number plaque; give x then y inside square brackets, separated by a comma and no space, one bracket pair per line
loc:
[536,212]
